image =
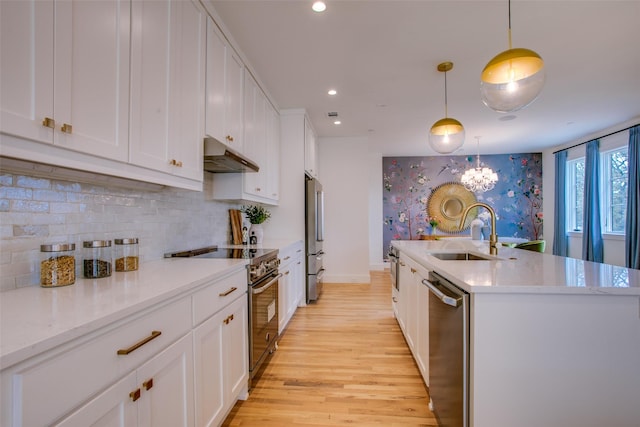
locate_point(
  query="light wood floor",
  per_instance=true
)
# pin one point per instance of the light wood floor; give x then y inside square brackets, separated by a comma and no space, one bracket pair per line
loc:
[342,360]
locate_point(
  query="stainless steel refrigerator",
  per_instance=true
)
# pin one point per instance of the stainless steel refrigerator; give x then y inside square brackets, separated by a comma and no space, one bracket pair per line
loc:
[314,211]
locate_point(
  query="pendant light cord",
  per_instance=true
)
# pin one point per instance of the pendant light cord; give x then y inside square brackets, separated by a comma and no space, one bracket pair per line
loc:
[446,112]
[509,24]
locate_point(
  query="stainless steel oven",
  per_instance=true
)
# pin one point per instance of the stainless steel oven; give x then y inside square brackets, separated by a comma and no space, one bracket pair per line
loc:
[262,277]
[263,321]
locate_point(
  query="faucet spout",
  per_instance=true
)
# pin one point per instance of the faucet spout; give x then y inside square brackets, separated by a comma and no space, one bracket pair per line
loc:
[493,238]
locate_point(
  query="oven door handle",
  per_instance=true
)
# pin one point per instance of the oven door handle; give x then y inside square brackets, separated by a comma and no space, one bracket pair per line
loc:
[261,289]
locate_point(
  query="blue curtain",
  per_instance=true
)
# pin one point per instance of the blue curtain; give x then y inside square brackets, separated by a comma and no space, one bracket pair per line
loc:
[591,233]
[560,241]
[632,230]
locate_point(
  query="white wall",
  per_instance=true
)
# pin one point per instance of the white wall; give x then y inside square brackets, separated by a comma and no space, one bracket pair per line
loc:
[345,177]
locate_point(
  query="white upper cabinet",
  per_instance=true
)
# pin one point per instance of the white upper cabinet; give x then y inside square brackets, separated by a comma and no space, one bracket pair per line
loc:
[224,84]
[272,125]
[167,74]
[310,149]
[65,74]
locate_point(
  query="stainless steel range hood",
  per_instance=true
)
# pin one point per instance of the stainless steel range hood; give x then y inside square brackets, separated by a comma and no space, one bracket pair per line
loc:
[219,158]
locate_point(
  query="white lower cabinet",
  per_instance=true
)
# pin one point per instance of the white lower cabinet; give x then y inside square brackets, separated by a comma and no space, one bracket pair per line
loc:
[221,362]
[413,311]
[291,285]
[159,393]
[180,363]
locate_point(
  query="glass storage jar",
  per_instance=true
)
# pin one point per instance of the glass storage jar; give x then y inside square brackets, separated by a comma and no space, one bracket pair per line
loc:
[57,265]
[97,259]
[126,254]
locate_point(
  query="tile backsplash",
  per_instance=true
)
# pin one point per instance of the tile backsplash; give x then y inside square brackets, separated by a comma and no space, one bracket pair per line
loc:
[36,211]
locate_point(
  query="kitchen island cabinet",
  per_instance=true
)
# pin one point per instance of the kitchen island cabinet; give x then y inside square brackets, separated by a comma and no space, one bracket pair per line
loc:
[67,354]
[553,341]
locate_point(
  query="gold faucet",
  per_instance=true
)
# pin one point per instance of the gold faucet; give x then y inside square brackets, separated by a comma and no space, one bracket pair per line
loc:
[493,238]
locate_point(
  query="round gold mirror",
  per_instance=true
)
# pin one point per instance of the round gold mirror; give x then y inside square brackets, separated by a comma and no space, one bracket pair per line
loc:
[447,203]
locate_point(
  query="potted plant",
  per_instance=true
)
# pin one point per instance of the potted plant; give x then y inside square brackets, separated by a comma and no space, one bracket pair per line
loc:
[256,215]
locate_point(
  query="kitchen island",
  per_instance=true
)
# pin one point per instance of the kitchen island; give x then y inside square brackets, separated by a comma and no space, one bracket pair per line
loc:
[553,341]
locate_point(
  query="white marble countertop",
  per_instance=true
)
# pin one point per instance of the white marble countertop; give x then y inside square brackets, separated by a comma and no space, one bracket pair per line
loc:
[35,319]
[521,271]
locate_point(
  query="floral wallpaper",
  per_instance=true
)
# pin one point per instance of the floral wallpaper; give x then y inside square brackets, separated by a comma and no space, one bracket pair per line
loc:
[516,197]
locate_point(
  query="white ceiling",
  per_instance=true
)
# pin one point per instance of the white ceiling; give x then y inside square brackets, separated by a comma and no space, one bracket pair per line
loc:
[381,57]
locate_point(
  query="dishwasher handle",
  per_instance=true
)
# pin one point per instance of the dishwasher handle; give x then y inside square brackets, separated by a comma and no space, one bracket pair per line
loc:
[453,301]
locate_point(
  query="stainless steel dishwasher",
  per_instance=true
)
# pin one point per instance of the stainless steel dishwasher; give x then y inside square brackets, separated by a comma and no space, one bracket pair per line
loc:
[448,352]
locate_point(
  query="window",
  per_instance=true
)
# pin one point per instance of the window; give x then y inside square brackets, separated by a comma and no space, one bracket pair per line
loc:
[613,191]
[575,181]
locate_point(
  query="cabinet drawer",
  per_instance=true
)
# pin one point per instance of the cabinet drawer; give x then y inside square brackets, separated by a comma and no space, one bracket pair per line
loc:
[290,253]
[45,390]
[220,293]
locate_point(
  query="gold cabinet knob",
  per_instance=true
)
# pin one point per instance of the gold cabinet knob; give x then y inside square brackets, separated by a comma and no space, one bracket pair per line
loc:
[66,128]
[135,395]
[148,384]
[48,122]
[229,138]
[176,163]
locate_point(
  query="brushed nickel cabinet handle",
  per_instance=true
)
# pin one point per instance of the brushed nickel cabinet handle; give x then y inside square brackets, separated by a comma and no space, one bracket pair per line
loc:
[135,395]
[49,123]
[224,294]
[125,351]
[148,384]
[66,128]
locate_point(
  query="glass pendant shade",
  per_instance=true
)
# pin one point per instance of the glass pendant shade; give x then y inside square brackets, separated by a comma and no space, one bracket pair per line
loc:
[446,135]
[512,80]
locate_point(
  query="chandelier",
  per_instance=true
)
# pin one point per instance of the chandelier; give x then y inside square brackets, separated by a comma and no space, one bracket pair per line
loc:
[479,179]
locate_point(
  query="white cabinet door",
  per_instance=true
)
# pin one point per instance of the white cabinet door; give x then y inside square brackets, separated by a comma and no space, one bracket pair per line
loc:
[236,349]
[272,124]
[166,382]
[221,362]
[422,353]
[112,408]
[224,90]
[91,77]
[310,149]
[285,289]
[167,75]
[255,143]
[79,52]
[26,80]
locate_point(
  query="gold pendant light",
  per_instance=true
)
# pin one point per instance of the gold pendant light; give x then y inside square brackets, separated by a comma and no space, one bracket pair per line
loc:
[513,79]
[446,135]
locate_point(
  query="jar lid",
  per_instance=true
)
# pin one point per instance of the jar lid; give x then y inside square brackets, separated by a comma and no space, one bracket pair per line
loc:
[60,247]
[130,241]
[96,244]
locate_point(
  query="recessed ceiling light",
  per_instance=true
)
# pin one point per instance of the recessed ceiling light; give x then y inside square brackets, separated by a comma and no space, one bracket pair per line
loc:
[319,6]
[337,122]
[332,92]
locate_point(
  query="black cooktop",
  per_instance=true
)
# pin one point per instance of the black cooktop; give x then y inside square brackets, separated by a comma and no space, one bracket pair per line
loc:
[216,252]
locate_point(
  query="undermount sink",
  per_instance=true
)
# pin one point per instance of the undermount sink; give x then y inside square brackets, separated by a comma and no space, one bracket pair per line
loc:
[460,256]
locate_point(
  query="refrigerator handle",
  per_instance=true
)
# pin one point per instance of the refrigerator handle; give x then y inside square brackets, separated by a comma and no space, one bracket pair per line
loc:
[320,216]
